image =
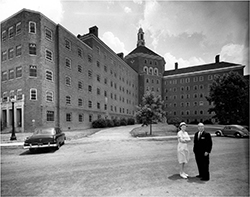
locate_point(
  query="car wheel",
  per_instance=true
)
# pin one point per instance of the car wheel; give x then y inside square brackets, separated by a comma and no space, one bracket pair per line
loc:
[218,133]
[58,146]
[237,135]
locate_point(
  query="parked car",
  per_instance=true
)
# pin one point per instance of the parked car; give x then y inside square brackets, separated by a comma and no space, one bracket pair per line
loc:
[45,137]
[233,130]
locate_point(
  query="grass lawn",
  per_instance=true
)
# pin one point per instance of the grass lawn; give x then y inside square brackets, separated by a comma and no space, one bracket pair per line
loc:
[164,129]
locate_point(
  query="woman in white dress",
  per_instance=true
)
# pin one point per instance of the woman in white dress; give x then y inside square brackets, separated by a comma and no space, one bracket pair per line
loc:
[182,148]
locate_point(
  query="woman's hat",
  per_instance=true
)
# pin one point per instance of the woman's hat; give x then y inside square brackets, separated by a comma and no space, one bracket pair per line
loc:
[182,123]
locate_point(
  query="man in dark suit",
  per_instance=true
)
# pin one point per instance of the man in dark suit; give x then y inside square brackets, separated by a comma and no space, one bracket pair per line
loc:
[202,148]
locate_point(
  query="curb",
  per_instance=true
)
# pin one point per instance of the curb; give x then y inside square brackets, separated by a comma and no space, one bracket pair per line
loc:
[136,138]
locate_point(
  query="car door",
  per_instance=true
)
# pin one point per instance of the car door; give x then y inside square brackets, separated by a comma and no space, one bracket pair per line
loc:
[226,130]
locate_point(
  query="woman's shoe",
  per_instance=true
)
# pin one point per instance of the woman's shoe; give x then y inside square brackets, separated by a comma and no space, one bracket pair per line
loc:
[183,175]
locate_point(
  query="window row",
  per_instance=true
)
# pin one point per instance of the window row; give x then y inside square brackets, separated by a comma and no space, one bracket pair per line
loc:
[187,112]
[18,93]
[10,74]
[150,70]
[16,30]
[9,54]
[153,89]
[185,96]
[150,62]
[195,79]
[187,104]
[152,81]
[187,88]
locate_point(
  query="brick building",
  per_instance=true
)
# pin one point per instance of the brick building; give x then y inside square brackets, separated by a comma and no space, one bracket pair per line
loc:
[185,89]
[56,78]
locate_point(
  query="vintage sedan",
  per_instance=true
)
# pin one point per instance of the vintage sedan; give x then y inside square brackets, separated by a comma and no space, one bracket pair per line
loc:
[45,137]
[233,130]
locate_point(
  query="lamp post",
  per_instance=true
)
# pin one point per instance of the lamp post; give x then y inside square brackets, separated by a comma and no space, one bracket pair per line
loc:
[13,136]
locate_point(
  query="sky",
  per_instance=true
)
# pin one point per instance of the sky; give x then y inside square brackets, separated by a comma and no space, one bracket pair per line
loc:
[188,32]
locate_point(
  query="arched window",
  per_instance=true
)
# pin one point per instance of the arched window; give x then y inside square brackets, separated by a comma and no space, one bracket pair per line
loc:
[151,70]
[145,69]
[156,71]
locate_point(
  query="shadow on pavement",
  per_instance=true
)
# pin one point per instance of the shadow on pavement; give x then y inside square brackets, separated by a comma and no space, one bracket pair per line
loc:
[39,151]
[189,179]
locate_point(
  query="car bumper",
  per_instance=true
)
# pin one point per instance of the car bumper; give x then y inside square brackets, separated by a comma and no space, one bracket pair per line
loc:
[39,146]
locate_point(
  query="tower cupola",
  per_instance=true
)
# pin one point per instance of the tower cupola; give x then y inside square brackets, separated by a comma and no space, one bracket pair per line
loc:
[140,41]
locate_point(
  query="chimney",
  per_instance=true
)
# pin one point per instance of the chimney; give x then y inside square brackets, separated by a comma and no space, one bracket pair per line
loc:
[217,58]
[176,65]
[120,55]
[94,30]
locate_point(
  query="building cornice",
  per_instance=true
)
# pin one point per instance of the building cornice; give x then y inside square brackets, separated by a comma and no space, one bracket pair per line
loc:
[204,71]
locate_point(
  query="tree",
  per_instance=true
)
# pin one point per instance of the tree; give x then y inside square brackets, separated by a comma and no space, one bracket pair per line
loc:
[150,109]
[229,96]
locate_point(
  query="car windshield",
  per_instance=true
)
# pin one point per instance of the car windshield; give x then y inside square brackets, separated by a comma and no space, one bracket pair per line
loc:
[49,131]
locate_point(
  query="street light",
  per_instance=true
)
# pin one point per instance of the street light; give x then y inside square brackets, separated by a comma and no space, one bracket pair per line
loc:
[13,136]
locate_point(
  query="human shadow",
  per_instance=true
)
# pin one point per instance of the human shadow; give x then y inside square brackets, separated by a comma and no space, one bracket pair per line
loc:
[191,179]
[39,151]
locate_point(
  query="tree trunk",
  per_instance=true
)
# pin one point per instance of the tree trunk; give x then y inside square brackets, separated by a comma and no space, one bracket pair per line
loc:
[150,129]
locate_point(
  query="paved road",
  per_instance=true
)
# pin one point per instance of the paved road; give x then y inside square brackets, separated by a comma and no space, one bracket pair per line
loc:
[122,168]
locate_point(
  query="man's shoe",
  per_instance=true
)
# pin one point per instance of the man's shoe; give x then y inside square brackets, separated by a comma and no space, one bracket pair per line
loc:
[198,176]
[203,179]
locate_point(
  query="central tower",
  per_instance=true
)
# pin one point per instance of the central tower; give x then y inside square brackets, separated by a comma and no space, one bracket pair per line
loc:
[149,66]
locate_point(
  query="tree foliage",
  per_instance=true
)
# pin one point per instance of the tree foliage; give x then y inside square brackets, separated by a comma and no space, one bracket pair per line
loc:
[150,110]
[229,96]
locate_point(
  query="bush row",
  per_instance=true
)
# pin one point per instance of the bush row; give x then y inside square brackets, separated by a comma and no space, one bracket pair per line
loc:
[102,123]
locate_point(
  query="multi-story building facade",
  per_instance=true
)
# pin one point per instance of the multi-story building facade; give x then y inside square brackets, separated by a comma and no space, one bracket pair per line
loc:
[185,89]
[56,78]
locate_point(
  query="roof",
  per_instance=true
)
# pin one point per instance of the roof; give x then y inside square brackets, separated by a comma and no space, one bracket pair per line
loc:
[143,49]
[199,68]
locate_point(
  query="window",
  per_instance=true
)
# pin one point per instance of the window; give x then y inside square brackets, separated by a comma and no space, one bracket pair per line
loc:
[11,74]
[105,68]
[80,102]
[98,105]
[156,71]
[68,117]
[79,68]
[50,115]
[67,81]
[90,73]
[98,78]
[19,71]
[4,76]
[68,63]
[18,28]
[48,55]
[98,64]
[4,55]
[187,80]
[201,87]
[49,96]
[90,118]
[98,50]
[4,35]
[201,112]
[18,50]
[195,95]
[90,88]
[105,81]
[89,58]
[79,52]
[195,87]
[210,77]
[90,104]
[11,53]
[68,100]
[80,85]
[33,94]
[201,103]
[32,27]
[11,32]
[19,94]
[195,103]
[105,93]
[49,75]
[98,91]
[67,44]
[195,79]
[201,78]
[151,70]
[80,117]
[48,34]
[33,71]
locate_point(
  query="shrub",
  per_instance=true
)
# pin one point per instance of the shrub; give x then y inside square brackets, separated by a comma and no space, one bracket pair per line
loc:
[99,123]
[208,121]
[131,121]
[109,123]
[116,122]
[175,121]
[123,122]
